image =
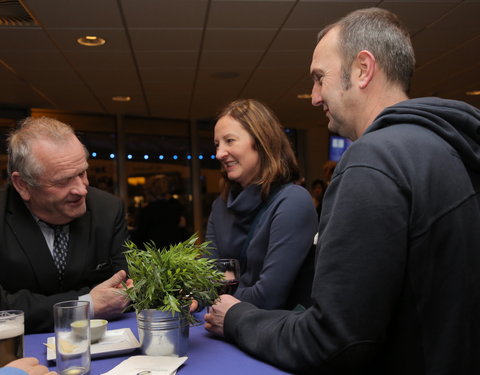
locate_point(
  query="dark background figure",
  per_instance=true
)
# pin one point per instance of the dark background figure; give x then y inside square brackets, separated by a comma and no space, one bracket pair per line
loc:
[105,183]
[328,169]
[301,181]
[318,190]
[163,219]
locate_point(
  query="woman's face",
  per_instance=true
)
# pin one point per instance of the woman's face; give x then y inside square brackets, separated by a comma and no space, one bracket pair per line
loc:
[236,152]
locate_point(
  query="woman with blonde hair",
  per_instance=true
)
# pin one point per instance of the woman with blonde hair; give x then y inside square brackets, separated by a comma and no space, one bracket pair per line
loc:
[261,217]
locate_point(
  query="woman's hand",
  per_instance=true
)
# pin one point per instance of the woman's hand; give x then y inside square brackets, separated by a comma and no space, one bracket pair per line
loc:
[193,306]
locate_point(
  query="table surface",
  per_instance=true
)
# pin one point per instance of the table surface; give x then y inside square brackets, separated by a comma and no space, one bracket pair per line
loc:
[206,354]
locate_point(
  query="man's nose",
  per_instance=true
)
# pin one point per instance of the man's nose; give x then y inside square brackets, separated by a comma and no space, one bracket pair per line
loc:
[79,185]
[317,99]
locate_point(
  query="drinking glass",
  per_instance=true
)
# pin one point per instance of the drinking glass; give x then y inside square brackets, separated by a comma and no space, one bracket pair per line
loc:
[72,345]
[231,270]
[12,330]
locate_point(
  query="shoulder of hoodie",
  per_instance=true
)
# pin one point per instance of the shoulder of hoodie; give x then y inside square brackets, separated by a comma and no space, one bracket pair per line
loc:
[410,125]
[389,143]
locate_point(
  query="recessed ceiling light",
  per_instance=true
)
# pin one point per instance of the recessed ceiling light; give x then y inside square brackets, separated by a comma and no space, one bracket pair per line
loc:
[304,96]
[120,98]
[475,92]
[91,41]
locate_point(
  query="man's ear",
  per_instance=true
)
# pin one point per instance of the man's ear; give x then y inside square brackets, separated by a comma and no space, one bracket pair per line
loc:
[365,64]
[20,186]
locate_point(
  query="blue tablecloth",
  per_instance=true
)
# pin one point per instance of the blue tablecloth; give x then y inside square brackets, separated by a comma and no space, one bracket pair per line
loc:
[206,353]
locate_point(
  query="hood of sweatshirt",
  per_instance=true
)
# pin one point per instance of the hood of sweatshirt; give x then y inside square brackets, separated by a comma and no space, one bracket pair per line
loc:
[458,123]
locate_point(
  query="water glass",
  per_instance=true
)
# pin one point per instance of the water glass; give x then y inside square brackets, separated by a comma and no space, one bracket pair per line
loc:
[12,330]
[72,345]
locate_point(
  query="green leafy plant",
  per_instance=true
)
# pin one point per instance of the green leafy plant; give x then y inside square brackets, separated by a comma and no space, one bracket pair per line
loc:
[168,279]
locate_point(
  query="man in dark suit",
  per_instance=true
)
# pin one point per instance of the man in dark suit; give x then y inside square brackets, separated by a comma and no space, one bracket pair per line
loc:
[59,238]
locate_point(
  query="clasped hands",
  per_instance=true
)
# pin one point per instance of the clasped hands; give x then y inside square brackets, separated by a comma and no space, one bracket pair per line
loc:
[215,317]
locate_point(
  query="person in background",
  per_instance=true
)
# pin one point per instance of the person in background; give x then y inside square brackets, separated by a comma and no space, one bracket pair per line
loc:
[105,183]
[59,238]
[301,181]
[397,279]
[163,219]
[328,169]
[25,366]
[318,190]
[261,217]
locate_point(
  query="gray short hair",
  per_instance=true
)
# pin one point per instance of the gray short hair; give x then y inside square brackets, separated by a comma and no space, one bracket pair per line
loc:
[19,145]
[383,34]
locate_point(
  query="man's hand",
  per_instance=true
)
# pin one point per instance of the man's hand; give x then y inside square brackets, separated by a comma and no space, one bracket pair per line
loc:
[31,366]
[108,298]
[216,315]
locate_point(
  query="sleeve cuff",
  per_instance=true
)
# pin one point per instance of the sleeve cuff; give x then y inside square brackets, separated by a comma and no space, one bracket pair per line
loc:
[88,298]
[7,370]
[234,314]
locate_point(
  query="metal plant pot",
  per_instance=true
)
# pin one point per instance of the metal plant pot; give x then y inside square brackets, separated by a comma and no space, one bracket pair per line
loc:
[162,333]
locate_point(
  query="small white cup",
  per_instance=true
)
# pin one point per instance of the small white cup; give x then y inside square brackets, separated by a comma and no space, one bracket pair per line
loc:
[98,328]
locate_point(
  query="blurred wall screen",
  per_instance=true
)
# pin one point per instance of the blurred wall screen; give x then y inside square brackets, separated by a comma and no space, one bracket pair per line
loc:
[337,147]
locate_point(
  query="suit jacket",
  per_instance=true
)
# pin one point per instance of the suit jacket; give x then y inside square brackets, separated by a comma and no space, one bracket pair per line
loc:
[28,276]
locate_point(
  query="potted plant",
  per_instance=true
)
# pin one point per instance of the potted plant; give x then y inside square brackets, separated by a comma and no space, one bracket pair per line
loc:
[164,283]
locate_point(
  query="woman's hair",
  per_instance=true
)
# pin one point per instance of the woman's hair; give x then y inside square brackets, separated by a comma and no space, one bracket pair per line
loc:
[277,159]
[383,34]
[19,145]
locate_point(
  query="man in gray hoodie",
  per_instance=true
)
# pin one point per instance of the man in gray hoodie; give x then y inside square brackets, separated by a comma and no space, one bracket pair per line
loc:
[397,279]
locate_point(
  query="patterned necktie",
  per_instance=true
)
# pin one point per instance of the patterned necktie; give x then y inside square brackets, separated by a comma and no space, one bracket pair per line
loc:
[60,248]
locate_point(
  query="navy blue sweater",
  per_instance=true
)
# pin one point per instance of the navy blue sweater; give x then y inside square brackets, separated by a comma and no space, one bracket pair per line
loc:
[280,242]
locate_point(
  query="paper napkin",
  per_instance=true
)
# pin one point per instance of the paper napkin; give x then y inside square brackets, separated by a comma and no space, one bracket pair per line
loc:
[148,365]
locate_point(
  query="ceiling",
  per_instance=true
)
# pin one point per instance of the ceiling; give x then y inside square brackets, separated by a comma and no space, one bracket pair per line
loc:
[184,59]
